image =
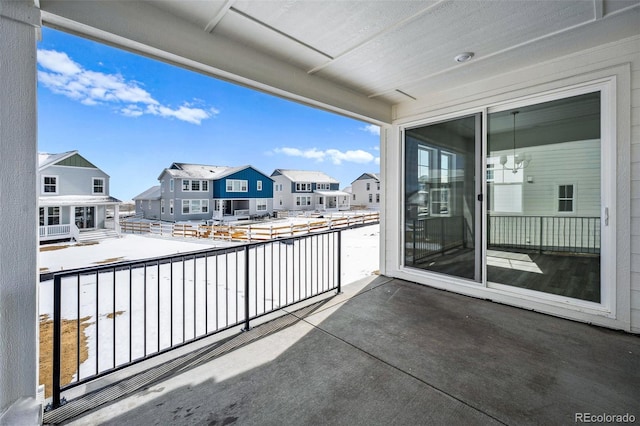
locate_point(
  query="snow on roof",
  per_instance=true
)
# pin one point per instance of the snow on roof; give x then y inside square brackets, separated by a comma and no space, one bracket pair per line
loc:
[306,176]
[203,171]
[152,193]
[77,200]
[364,176]
[45,158]
[330,193]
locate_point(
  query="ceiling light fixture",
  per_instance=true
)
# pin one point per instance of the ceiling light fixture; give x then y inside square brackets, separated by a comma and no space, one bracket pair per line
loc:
[463,57]
[520,161]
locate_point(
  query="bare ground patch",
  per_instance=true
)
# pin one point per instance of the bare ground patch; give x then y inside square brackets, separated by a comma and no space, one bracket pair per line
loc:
[109,260]
[69,350]
[112,315]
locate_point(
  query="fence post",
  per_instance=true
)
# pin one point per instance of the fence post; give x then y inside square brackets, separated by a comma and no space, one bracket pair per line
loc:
[57,337]
[339,262]
[246,288]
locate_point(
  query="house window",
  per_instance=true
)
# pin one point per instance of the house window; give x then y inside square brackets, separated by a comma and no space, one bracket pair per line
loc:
[378,186]
[377,198]
[186,184]
[52,216]
[235,185]
[162,205]
[490,176]
[98,185]
[195,206]
[261,204]
[171,185]
[259,185]
[303,187]
[368,186]
[49,184]
[171,207]
[371,198]
[195,185]
[320,200]
[323,186]
[565,198]
[354,197]
[149,204]
[303,201]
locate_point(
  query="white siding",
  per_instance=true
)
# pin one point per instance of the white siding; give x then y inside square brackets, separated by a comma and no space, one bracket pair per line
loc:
[620,61]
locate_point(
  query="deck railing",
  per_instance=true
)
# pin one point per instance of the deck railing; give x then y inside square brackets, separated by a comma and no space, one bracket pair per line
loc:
[545,233]
[53,231]
[132,311]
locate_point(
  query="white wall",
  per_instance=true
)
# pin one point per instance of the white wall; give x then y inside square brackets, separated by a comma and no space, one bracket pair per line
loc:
[359,188]
[18,215]
[619,65]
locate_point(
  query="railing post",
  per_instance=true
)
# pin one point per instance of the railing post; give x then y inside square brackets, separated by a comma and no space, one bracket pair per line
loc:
[339,291]
[57,337]
[246,289]
[540,251]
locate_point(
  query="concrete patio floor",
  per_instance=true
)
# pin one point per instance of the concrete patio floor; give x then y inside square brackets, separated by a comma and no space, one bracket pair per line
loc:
[388,351]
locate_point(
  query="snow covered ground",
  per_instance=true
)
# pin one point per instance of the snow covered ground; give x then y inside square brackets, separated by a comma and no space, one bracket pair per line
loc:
[149,309]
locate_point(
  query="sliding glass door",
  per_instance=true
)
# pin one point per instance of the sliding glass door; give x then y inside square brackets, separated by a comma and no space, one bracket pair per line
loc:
[441,215]
[544,197]
[536,179]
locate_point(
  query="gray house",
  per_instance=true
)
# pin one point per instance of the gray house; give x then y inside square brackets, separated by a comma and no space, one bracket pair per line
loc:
[148,203]
[73,199]
[307,190]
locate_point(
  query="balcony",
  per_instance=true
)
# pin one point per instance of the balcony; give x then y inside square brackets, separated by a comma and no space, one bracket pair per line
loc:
[386,351]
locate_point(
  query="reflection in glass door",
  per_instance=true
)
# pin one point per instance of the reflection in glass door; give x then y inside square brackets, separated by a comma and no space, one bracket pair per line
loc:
[544,197]
[440,220]
[85,217]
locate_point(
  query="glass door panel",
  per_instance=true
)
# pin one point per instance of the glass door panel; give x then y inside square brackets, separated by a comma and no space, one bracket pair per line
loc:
[440,221]
[85,217]
[544,197]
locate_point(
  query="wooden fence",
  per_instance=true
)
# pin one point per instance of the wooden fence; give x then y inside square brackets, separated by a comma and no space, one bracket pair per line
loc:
[248,233]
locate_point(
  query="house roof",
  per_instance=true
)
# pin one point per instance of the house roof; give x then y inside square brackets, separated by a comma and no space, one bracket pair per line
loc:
[77,200]
[331,193]
[152,193]
[304,176]
[46,159]
[365,176]
[203,171]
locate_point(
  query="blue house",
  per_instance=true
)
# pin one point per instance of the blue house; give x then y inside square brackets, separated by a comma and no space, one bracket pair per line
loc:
[191,192]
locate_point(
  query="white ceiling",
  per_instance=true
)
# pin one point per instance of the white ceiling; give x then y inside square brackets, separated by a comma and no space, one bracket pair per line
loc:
[360,57]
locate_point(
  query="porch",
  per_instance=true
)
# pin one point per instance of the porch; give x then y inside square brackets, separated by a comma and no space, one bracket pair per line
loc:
[388,351]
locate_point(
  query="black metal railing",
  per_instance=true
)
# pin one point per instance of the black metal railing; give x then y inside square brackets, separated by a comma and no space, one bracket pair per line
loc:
[436,235]
[140,309]
[545,233]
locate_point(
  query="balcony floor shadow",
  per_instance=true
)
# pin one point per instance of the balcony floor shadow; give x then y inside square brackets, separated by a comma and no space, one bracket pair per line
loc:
[394,352]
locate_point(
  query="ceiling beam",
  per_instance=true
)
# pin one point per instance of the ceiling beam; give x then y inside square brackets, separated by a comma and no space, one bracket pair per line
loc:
[225,8]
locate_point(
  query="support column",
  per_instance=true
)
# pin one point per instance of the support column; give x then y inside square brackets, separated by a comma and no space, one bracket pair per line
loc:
[19,23]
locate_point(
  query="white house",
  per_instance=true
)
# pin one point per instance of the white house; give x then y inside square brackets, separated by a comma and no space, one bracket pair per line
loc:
[366,190]
[74,198]
[442,80]
[307,190]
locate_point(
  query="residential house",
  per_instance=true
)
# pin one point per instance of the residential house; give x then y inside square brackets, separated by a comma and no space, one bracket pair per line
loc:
[365,191]
[73,199]
[147,203]
[431,96]
[191,192]
[307,190]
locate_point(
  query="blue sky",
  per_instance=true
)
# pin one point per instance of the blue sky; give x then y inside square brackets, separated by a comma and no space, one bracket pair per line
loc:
[133,116]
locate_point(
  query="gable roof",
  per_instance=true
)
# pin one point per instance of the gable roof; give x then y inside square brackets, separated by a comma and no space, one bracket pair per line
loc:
[203,171]
[152,193]
[46,159]
[304,176]
[364,176]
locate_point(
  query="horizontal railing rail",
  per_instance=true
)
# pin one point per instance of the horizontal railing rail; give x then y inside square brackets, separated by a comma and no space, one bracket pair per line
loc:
[55,230]
[123,313]
[561,234]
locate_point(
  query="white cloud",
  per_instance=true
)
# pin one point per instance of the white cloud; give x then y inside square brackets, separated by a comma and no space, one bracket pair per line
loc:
[63,76]
[371,128]
[334,155]
[377,161]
